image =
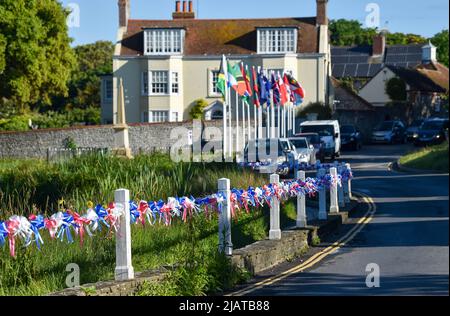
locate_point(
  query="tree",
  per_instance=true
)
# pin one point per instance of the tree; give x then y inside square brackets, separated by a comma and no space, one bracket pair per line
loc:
[35,52]
[196,112]
[350,32]
[440,40]
[323,111]
[93,61]
[396,89]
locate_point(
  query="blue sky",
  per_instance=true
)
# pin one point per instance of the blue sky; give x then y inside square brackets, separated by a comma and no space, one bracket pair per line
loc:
[99,18]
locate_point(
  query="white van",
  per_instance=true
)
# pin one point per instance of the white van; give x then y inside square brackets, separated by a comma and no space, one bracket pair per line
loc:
[329,132]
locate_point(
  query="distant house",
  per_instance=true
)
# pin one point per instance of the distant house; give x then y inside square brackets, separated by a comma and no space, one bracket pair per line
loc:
[371,67]
[350,109]
[168,64]
[361,63]
[426,83]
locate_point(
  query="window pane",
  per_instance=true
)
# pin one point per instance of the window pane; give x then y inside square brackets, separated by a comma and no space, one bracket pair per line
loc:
[160,116]
[160,82]
[215,78]
[108,89]
[145,83]
[175,85]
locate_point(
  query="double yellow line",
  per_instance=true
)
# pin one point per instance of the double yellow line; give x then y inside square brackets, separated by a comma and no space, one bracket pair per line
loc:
[341,242]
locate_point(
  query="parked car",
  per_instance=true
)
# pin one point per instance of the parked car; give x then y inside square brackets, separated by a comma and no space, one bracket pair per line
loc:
[329,132]
[390,132]
[351,137]
[413,129]
[319,145]
[305,152]
[431,132]
[276,155]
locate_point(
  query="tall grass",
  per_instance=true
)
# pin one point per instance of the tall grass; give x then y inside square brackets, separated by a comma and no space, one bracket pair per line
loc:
[36,186]
[428,158]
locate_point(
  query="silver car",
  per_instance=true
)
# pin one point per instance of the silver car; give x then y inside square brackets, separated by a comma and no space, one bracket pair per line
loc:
[304,151]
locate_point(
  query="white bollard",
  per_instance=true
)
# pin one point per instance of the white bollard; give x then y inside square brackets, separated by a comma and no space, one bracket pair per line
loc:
[322,197]
[225,244]
[275,231]
[348,186]
[340,188]
[334,207]
[301,203]
[124,268]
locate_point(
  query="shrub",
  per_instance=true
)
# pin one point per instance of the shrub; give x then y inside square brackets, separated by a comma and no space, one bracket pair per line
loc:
[324,111]
[196,112]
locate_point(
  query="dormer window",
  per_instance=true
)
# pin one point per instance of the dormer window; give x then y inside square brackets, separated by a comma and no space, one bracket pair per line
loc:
[277,40]
[163,41]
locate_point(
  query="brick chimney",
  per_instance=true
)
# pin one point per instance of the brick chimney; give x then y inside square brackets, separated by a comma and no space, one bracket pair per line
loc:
[187,13]
[322,17]
[379,45]
[124,12]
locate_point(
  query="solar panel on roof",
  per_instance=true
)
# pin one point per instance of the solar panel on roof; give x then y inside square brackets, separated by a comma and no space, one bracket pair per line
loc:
[358,59]
[395,58]
[339,60]
[374,68]
[338,71]
[350,70]
[414,57]
[415,49]
[397,50]
[339,51]
[362,70]
[403,65]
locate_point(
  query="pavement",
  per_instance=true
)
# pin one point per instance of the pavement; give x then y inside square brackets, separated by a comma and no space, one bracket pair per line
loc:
[407,238]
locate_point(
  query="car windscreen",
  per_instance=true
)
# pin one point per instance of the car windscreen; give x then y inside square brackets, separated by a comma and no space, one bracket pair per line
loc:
[300,143]
[386,126]
[322,130]
[254,149]
[348,129]
[432,125]
[416,123]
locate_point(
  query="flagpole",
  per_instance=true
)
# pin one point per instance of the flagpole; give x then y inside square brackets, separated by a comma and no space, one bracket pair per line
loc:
[230,135]
[249,122]
[238,149]
[243,121]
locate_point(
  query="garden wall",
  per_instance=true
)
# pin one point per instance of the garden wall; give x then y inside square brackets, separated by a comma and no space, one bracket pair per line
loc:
[143,137]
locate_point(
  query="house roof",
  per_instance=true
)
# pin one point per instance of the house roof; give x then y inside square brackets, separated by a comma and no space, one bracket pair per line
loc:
[357,61]
[417,80]
[436,72]
[348,99]
[220,36]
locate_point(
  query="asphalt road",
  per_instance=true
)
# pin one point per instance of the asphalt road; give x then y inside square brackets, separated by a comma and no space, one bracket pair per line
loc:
[408,237]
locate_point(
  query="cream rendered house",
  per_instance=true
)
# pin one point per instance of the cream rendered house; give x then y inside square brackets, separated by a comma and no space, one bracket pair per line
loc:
[168,64]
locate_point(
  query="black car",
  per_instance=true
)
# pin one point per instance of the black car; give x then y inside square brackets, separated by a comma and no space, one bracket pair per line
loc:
[413,129]
[319,146]
[432,132]
[351,137]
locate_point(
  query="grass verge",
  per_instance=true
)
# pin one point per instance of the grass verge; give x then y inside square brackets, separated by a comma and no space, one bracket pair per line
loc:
[428,158]
[35,186]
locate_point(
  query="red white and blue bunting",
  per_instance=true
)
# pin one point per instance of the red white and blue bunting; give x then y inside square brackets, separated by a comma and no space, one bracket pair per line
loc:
[64,224]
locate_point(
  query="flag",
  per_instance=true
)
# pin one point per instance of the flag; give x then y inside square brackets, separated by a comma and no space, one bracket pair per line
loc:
[295,86]
[246,75]
[275,90]
[222,80]
[255,88]
[239,82]
[284,97]
[231,79]
[290,93]
[264,88]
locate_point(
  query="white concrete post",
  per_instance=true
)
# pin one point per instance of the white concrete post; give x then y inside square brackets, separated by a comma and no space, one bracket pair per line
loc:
[340,188]
[348,186]
[124,268]
[225,244]
[322,197]
[275,231]
[334,207]
[301,203]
